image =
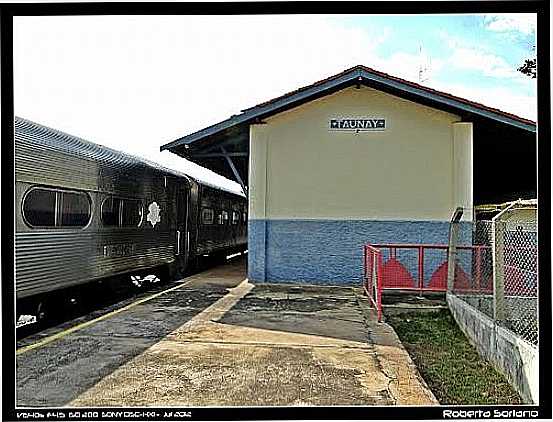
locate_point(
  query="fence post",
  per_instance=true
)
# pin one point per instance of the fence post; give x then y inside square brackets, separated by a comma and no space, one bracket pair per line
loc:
[452,255]
[498,259]
[421,269]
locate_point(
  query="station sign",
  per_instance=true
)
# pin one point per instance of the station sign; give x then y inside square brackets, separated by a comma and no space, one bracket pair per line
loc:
[357,125]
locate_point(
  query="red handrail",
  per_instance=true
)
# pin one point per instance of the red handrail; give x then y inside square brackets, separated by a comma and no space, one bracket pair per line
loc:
[419,245]
[374,256]
[374,282]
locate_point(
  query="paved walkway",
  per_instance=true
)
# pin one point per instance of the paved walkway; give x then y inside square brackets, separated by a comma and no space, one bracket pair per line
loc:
[219,340]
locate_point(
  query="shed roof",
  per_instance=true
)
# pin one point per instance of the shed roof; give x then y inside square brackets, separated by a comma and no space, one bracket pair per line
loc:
[519,203]
[363,75]
[203,146]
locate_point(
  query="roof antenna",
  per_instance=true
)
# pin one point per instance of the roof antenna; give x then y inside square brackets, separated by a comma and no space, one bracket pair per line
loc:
[424,68]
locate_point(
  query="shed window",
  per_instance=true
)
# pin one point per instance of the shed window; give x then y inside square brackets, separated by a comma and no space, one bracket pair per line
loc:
[207,216]
[51,207]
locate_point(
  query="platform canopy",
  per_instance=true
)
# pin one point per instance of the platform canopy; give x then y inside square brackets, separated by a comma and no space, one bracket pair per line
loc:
[224,147]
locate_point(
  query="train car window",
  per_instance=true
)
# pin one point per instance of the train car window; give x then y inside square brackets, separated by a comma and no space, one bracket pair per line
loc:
[50,207]
[244,217]
[131,215]
[74,208]
[207,216]
[224,214]
[220,218]
[235,217]
[39,207]
[110,211]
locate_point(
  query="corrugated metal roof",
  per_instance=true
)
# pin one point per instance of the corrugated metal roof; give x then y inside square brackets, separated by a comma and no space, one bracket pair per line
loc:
[522,203]
[357,74]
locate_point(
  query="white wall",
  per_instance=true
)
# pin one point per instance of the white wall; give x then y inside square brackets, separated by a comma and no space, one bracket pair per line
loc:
[301,170]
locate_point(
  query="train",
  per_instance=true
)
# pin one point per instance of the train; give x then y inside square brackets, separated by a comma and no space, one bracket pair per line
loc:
[86,213]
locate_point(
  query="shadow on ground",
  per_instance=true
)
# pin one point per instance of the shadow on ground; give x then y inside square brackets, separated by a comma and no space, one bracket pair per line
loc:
[321,311]
[58,372]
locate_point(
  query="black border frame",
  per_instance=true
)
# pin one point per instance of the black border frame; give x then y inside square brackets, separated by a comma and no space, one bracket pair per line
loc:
[9,10]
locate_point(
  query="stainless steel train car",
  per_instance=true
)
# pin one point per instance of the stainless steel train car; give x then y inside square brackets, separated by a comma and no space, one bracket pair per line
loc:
[85,212]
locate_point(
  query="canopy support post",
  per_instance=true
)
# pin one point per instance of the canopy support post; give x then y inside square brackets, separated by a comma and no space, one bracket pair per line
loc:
[234,170]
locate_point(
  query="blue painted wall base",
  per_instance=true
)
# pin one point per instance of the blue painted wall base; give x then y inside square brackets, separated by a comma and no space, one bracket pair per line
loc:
[327,251]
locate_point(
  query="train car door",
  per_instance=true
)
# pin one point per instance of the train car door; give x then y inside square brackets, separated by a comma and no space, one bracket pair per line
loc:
[183,234]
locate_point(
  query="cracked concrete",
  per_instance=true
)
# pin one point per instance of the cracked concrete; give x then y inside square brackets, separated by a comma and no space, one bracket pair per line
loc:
[406,384]
[236,345]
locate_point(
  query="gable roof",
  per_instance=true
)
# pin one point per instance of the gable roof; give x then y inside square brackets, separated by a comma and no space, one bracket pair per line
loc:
[358,75]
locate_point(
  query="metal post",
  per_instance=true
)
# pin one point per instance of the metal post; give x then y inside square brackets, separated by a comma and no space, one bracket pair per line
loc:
[374,275]
[234,171]
[452,255]
[498,259]
[421,269]
[452,248]
[379,287]
[365,269]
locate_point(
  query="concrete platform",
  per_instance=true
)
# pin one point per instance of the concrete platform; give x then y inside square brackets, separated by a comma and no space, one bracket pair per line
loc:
[217,340]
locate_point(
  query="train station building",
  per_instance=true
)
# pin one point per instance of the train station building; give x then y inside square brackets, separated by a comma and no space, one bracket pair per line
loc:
[359,157]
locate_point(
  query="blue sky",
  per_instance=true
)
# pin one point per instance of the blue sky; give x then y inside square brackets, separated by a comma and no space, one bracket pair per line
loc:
[136,82]
[406,32]
[509,38]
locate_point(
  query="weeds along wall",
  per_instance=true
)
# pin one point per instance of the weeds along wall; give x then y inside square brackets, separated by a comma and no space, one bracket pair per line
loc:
[494,295]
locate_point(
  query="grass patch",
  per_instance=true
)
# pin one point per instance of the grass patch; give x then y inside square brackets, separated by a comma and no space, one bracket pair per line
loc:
[449,364]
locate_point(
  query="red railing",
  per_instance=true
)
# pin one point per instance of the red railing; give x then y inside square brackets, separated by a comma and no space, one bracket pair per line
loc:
[372,284]
[411,267]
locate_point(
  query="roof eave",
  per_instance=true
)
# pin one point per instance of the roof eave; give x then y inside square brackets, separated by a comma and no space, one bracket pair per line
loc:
[257,112]
[353,77]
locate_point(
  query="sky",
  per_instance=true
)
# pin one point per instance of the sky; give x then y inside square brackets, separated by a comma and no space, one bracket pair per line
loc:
[134,83]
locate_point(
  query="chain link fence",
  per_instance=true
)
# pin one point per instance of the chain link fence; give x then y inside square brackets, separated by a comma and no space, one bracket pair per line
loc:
[473,277]
[520,313]
[497,274]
